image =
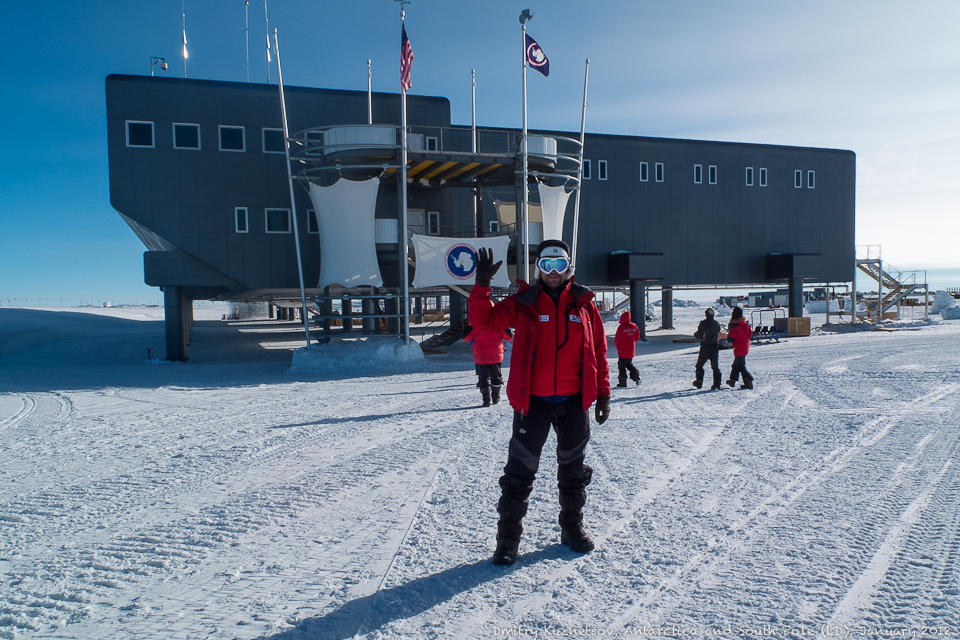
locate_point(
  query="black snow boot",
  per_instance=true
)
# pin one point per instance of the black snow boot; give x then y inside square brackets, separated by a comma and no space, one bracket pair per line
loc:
[507,551]
[510,525]
[635,376]
[486,398]
[577,539]
[495,394]
[747,382]
[716,380]
[571,510]
[698,383]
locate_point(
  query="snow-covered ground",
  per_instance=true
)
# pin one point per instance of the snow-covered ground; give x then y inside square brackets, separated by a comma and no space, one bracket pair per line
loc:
[234,496]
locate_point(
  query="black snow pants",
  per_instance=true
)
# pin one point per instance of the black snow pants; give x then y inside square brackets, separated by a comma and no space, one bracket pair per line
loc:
[623,366]
[711,353]
[489,376]
[572,425]
[740,368]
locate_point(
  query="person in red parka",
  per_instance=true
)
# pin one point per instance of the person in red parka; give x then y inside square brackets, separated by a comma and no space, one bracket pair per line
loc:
[488,353]
[739,332]
[628,334]
[558,369]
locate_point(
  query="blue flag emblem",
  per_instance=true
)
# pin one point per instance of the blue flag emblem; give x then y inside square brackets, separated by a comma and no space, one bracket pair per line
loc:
[536,58]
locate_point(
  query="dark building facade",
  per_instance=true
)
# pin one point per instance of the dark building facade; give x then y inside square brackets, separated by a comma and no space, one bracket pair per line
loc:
[198,170]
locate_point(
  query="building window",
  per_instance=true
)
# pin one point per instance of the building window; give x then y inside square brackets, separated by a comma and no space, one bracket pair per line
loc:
[798,179]
[186,136]
[644,172]
[712,172]
[273,141]
[433,143]
[494,226]
[139,133]
[811,179]
[232,138]
[586,169]
[278,220]
[312,225]
[240,215]
[697,173]
[602,170]
[749,177]
[763,176]
[658,172]
[433,223]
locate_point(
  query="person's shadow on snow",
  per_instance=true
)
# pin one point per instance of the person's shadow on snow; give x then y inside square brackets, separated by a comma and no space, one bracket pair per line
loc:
[372,612]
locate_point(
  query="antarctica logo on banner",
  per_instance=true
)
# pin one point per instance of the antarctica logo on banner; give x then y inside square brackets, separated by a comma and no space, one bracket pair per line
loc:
[461,261]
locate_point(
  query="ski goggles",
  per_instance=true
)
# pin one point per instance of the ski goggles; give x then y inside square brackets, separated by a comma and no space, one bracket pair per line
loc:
[551,265]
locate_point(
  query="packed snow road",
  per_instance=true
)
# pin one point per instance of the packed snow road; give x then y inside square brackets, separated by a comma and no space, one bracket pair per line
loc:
[233,497]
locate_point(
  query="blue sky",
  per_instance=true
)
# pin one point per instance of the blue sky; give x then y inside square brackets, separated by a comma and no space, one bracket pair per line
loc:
[877,77]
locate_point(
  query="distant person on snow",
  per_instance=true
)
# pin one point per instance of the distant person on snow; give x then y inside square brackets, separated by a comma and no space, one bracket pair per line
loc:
[558,368]
[739,331]
[708,333]
[626,338]
[487,347]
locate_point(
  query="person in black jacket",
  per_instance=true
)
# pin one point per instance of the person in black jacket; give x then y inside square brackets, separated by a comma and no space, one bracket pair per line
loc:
[708,332]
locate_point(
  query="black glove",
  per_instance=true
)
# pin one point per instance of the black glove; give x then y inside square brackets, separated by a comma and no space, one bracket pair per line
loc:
[602,410]
[486,269]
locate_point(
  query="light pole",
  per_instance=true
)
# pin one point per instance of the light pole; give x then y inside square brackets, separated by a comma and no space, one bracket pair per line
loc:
[154,61]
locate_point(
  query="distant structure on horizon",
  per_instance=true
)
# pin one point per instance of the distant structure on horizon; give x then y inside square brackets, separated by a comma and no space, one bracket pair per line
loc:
[198,170]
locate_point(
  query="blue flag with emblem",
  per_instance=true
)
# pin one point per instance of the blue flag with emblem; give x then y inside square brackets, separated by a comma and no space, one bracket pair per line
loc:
[536,58]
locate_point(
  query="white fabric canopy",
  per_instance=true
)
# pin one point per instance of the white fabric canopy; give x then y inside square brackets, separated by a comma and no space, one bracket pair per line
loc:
[553,204]
[345,217]
[452,261]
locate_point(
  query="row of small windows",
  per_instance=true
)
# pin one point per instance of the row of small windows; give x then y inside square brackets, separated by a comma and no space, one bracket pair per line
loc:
[140,133]
[712,174]
[275,220]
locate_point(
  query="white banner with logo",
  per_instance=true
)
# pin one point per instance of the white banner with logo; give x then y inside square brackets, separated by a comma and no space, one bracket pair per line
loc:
[453,261]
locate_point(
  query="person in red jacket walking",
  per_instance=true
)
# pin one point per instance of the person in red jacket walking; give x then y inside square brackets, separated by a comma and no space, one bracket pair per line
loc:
[488,353]
[626,338]
[558,369]
[739,332]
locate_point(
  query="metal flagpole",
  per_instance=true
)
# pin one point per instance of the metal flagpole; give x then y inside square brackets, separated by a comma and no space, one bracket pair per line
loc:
[293,201]
[473,145]
[583,126]
[247,32]
[369,93]
[183,6]
[523,157]
[266,20]
[404,268]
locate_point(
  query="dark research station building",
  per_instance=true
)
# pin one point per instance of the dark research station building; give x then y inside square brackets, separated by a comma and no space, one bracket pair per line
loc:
[198,170]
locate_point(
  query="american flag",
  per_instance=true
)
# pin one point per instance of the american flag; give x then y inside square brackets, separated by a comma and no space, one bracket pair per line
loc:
[406,60]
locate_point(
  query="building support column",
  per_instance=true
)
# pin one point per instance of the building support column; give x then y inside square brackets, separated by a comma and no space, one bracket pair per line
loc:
[638,307]
[174,323]
[795,297]
[666,308]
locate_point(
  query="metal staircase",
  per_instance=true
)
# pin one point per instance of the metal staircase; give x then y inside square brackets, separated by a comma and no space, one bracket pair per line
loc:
[898,284]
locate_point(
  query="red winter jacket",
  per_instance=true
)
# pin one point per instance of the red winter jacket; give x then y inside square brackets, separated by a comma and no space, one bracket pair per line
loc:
[628,334]
[739,331]
[558,349]
[487,346]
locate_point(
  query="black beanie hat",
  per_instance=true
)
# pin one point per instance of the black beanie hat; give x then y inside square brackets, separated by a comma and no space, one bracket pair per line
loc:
[553,243]
[737,313]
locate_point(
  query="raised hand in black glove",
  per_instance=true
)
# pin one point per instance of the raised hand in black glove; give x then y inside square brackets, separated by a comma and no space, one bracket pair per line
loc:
[602,410]
[486,268]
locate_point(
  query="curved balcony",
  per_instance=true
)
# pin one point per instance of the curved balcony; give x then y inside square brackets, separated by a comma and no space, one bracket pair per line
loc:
[436,156]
